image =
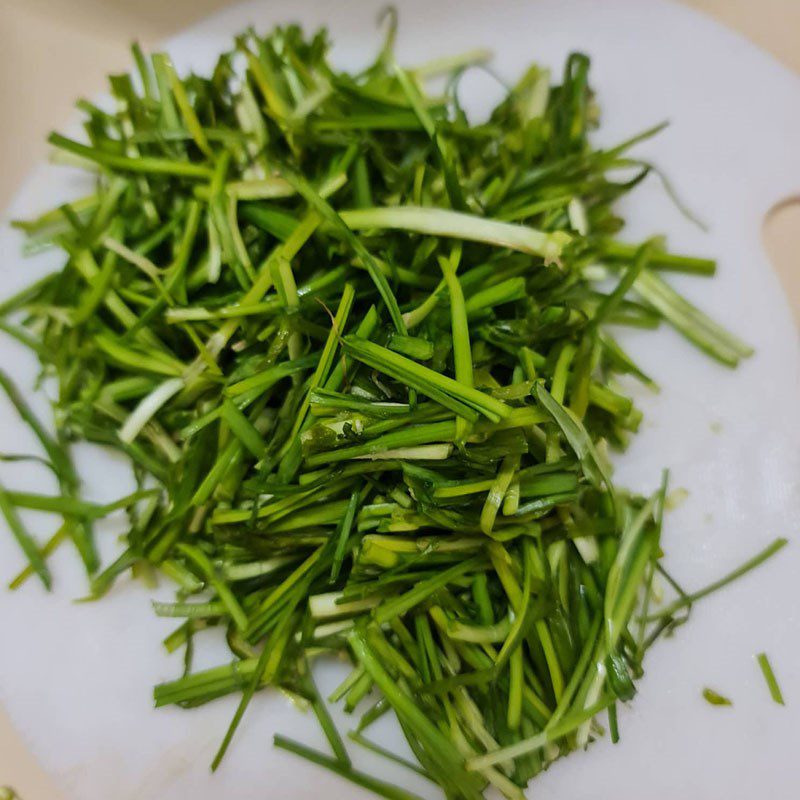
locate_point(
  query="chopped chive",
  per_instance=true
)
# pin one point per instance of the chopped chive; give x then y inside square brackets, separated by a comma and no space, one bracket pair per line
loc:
[749,565]
[55,451]
[24,539]
[156,166]
[344,534]
[715,699]
[359,739]
[770,679]
[265,671]
[458,225]
[378,787]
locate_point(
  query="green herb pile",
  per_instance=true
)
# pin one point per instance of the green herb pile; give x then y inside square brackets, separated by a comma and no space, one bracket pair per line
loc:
[355,348]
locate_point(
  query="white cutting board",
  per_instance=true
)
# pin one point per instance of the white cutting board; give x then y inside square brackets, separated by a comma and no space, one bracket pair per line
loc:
[76,679]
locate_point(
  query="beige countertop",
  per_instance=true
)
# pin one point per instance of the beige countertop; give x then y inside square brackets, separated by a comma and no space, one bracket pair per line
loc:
[53,51]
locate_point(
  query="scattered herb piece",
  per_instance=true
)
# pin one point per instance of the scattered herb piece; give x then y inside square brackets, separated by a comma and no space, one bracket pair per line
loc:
[716,699]
[771,680]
